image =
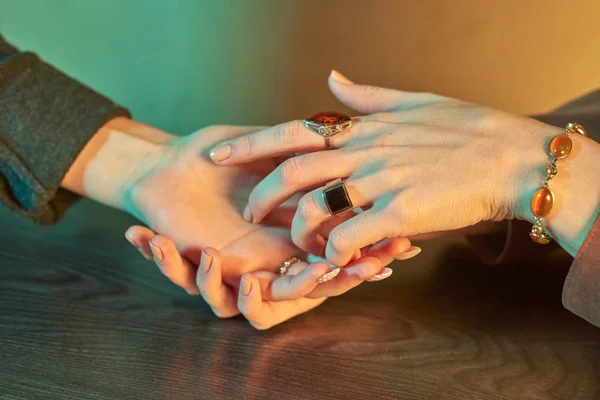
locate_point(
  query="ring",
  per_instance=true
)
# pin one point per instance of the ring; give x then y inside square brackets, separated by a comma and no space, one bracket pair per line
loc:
[328,124]
[287,264]
[336,197]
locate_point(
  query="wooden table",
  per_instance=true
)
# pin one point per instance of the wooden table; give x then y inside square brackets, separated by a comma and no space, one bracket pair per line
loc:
[83,316]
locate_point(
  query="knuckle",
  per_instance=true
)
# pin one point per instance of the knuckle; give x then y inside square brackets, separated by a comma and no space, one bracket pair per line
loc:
[339,240]
[291,170]
[289,133]
[307,207]
[250,145]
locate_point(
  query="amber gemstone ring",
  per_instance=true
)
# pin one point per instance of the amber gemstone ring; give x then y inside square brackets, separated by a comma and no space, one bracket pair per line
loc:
[328,124]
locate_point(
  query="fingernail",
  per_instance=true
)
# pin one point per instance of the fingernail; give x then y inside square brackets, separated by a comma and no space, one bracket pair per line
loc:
[247,214]
[413,251]
[130,240]
[220,153]
[329,276]
[206,261]
[246,286]
[156,252]
[387,272]
[340,78]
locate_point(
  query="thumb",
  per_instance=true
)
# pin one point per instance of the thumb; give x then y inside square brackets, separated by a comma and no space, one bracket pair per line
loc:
[371,99]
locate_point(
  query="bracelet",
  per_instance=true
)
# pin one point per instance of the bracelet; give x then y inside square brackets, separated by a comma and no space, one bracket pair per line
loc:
[543,199]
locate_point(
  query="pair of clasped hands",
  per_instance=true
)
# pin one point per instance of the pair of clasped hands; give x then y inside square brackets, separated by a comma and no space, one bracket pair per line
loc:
[228,205]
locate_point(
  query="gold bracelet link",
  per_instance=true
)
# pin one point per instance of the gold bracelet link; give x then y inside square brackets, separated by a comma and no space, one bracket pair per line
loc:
[543,199]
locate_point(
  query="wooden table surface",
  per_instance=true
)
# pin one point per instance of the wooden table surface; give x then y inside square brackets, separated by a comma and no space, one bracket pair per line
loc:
[83,316]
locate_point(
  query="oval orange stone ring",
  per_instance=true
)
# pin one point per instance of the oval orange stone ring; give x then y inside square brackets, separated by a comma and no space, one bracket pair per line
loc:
[328,124]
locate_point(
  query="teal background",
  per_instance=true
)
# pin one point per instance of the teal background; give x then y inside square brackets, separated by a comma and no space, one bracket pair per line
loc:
[177,64]
[184,64]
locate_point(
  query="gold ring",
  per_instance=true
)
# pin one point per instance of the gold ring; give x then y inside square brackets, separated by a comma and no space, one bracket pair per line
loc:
[328,124]
[287,264]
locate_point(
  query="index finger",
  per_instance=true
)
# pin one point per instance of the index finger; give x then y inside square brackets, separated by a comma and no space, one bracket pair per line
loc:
[284,139]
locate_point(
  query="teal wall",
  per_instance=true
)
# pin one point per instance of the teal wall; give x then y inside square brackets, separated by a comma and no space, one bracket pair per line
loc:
[177,64]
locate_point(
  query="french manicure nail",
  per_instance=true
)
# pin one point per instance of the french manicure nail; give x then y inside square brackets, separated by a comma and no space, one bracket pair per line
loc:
[340,78]
[156,252]
[220,153]
[206,261]
[410,253]
[246,286]
[247,214]
[329,276]
[387,272]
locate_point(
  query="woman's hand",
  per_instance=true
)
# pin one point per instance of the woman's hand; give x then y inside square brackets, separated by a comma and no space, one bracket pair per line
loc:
[263,297]
[421,163]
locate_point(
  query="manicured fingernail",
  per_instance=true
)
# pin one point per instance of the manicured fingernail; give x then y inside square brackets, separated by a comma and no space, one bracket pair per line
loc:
[192,292]
[220,153]
[329,276]
[156,252]
[247,214]
[246,286]
[340,78]
[130,240]
[206,261]
[413,251]
[387,272]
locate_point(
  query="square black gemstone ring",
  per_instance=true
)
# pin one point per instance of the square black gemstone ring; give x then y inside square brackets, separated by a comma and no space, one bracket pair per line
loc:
[336,197]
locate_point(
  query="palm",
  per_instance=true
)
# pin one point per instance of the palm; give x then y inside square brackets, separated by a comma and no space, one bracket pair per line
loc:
[197,204]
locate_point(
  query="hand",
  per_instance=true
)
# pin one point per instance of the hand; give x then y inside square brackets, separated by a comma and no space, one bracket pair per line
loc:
[169,183]
[263,297]
[422,163]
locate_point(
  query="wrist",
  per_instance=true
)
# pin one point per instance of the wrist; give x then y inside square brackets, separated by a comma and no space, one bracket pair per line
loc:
[118,154]
[531,171]
[575,186]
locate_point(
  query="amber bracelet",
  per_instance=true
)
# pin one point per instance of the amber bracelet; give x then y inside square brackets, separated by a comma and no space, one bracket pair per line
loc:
[543,199]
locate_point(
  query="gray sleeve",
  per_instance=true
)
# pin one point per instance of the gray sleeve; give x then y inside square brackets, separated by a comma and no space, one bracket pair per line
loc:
[46,118]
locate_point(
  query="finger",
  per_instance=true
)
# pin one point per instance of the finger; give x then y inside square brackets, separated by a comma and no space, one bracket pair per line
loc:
[313,212]
[263,314]
[179,270]
[218,296]
[293,287]
[390,247]
[370,99]
[364,229]
[349,277]
[140,236]
[297,174]
[286,138]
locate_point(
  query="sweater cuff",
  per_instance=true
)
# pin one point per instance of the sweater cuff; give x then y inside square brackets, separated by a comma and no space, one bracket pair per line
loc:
[46,120]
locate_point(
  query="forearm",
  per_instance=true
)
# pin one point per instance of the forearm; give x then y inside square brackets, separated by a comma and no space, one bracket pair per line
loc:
[117,155]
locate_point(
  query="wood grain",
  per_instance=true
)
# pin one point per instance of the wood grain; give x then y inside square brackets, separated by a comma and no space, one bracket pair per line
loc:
[83,316]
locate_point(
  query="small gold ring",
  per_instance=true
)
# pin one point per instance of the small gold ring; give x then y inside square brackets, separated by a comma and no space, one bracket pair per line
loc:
[287,264]
[328,124]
